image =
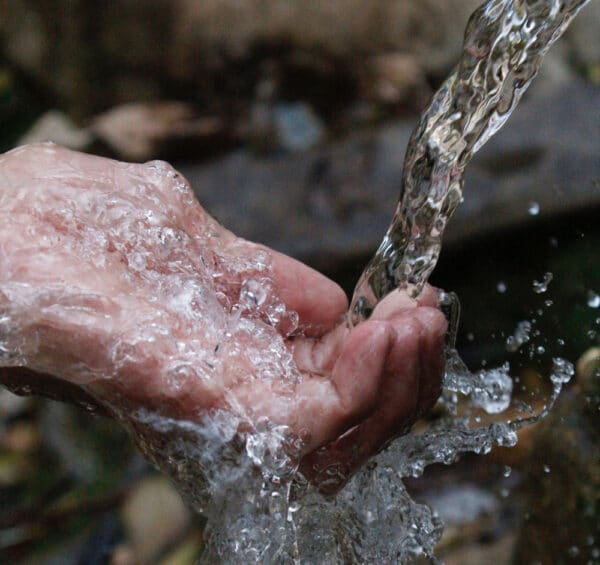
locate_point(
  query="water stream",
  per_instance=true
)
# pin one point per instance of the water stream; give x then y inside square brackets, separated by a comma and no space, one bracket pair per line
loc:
[258,506]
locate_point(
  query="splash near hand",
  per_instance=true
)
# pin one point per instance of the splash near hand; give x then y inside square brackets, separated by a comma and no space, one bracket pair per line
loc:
[117,288]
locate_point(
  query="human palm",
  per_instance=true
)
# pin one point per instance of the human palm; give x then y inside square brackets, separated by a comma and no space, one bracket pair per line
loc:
[116,283]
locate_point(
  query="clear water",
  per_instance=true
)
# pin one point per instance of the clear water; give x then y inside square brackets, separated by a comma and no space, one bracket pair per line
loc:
[505,41]
[258,506]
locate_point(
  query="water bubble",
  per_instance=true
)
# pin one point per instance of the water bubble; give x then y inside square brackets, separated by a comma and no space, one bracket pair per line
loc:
[573,551]
[493,389]
[501,287]
[249,518]
[253,293]
[562,371]
[539,287]
[546,468]
[540,350]
[593,299]
[506,471]
[533,209]
[520,336]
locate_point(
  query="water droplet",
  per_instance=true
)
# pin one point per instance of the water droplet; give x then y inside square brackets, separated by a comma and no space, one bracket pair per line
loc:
[539,287]
[520,336]
[540,350]
[562,371]
[492,390]
[506,471]
[593,299]
[546,468]
[501,287]
[533,209]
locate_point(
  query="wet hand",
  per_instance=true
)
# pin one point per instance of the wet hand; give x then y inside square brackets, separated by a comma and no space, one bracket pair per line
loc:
[115,281]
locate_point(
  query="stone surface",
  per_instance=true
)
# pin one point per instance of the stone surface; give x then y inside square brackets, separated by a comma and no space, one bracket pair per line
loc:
[583,37]
[58,127]
[144,131]
[96,55]
[562,522]
[332,206]
[154,517]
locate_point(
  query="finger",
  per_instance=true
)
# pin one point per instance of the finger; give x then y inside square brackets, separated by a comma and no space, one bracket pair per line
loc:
[430,296]
[399,300]
[393,304]
[319,302]
[397,407]
[431,351]
[353,388]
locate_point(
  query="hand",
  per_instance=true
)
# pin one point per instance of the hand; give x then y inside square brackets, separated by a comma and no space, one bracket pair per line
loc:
[116,283]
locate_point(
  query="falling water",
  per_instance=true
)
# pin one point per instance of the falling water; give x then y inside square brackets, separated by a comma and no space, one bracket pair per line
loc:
[505,41]
[259,508]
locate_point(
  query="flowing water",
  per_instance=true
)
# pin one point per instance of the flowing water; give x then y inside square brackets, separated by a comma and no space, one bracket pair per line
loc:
[259,507]
[504,44]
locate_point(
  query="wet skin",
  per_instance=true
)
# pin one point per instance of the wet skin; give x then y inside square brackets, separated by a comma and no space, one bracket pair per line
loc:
[117,288]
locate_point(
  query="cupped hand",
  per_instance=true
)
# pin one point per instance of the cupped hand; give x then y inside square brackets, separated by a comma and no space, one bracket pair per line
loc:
[114,280]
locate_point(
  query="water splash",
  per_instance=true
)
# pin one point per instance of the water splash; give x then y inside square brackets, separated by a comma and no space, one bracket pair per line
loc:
[539,287]
[259,508]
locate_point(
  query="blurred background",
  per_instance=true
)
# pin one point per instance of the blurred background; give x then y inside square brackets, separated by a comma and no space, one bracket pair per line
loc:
[290,120]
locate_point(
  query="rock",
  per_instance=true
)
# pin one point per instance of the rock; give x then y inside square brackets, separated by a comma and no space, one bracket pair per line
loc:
[297,127]
[583,39]
[58,127]
[463,503]
[331,207]
[393,78]
[95,56]
[144,131]
[187,553]
[154,517]
[562,519]
[588,367]
[22,437]
[12,405]
[498,552]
